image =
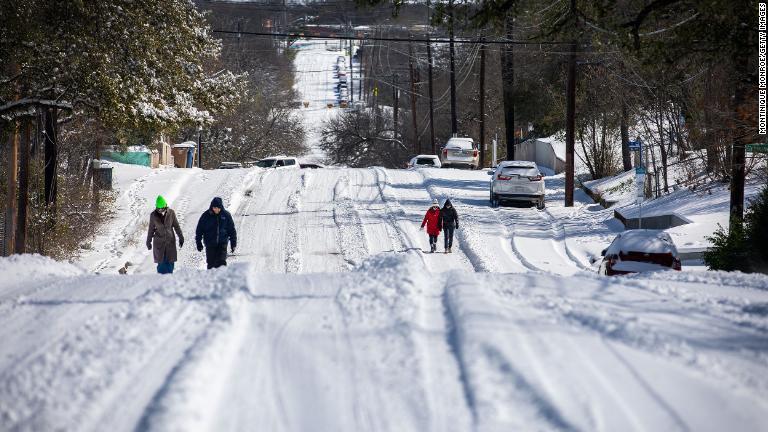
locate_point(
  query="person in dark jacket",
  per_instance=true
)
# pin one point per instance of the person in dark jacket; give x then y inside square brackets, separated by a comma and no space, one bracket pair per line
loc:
[432,222]
[449,221]
[160,236]
[214,229]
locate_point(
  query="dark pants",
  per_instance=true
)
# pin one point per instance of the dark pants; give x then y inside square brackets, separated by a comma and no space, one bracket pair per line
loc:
[433,240]
[165,267]
[216,255]
[448,236]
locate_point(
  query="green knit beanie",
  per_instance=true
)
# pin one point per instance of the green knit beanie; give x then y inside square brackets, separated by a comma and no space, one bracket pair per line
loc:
[160,203]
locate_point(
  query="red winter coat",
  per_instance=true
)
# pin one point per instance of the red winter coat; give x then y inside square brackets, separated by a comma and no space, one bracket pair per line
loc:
[432,221]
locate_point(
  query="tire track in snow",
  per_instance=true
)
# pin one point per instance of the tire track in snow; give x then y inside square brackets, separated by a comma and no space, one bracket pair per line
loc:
[544,238]
[454,338]
[293,260]
[351,236]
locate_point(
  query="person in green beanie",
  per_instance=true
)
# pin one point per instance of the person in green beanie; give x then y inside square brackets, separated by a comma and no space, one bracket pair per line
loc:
[161,239]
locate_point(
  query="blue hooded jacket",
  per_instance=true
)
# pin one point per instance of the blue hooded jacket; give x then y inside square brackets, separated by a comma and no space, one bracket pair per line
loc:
[213,229]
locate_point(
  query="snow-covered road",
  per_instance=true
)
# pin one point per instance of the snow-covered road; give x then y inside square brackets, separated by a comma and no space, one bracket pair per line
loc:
[331,317]
[510,332]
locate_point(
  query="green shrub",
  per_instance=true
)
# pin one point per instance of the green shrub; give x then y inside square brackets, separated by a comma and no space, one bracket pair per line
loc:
[745,246]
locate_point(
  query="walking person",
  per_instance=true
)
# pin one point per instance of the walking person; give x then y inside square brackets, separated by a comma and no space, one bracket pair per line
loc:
[449,221]
[214,230]
[432,222]
[161,236]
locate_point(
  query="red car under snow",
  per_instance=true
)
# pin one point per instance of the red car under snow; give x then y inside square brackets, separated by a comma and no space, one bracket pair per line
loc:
[637,251]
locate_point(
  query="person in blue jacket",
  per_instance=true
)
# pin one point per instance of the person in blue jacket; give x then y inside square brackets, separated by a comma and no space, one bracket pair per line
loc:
[214,230]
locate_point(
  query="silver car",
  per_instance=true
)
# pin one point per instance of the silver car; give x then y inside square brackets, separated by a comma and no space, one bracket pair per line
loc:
[460,152]
[517,181]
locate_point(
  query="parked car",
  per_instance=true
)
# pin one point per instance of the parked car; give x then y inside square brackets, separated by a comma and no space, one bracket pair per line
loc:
[230,165]
[311,165]
[278,162]
[428,161]
[517,181]
[635,251]
[460,152]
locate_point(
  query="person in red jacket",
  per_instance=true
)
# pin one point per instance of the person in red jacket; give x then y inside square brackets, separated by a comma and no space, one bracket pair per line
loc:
[432,221]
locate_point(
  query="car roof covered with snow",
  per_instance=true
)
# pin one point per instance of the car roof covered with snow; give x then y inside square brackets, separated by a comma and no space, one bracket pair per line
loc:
[645,241]
[516,163]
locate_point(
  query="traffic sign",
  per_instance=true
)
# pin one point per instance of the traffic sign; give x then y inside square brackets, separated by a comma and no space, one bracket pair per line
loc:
[757,148]
[635,145]
[640,170]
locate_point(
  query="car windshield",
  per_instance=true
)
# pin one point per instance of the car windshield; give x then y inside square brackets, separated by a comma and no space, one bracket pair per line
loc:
[460,143]
[425,161]
[520,171]
[265,163]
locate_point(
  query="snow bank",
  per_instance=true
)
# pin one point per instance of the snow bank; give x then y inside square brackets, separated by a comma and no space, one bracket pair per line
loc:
[16,269]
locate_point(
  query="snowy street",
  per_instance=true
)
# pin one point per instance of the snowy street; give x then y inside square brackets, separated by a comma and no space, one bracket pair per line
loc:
[333,316]
[373,334]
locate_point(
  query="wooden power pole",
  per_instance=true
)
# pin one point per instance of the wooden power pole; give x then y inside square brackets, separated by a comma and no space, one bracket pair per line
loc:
[414,99]
[10,205]
[454,122]
[508,82]
[431,95]
[570,125]
[21,219]
[482,106]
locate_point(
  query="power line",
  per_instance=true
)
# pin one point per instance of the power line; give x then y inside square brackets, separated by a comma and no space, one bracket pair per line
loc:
[388,39]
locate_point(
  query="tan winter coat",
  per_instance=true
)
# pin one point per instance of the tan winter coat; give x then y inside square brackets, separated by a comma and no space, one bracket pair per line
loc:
[161,237]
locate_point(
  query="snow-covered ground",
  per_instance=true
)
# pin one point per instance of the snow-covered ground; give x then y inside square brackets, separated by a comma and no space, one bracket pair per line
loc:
[513,331]
[331,317]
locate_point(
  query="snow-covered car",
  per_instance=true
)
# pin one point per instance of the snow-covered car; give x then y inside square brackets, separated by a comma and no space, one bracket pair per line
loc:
[278,162]
[639,250]
[426,161]
[460,152]
[230,165]
[517,181]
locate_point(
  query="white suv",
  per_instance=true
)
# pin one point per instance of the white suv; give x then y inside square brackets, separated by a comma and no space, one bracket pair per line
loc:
[460,151]
[517,181]
[278,162]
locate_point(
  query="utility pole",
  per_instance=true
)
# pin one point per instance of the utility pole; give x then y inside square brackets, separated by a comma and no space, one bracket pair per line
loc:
[21,219]
[361,78]
[431,95]
[51,157]
[200,146]
[351,71]
[397,102]
[570,125]
[738,152]
[10,208]
[431,99]
[454,124]
[482,106]
[570,118]
[414,99]
[508,81]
